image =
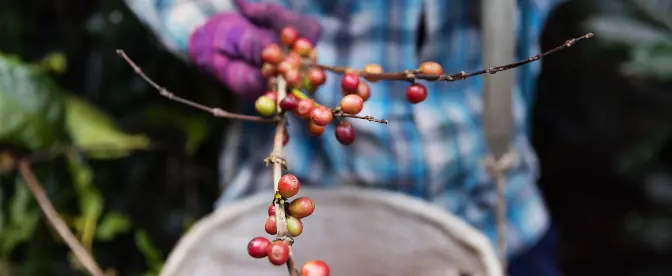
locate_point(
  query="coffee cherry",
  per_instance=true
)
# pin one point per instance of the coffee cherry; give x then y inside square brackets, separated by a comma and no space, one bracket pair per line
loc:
[352,104]
[315,268]
[301,207]
[294,226]
[272,54]
[416,93]
[270,226]
[317,76]
[273,95]
[321,115]
[364,91]
[315,130]
[303,47]
[288,185]
[305,107]
[292,77]
[294,59]
[268,70]
[278,252]
[372,69]
[289,35]
[313,56]
[345,133]
[271,210]
[285,138]
[431,68]
[258,247]
[349,83]
[289,103]
[265,106]
[285,66]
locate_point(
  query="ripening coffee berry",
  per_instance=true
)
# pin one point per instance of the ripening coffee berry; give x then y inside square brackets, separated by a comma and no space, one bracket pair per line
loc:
[364,91]
[301,207]
[258,247]
[416,93]
[315,130]
[278,252]
[352,104]
[273,95]
[321,115]
[289,103]
[265,106]
[292,77]
[345,133]
[431,68]
[303,47]
[304,108]
[283,67]
[289,35]
[372,69]
[288,185]
[272,54]
[317,77]
[270,226]
[268,70]
[294,226]
[271,210]
[294,59]
[349,83]
[315,268]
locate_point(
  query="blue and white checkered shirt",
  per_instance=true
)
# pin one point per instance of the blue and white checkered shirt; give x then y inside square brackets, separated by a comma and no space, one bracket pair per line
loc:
[433,150]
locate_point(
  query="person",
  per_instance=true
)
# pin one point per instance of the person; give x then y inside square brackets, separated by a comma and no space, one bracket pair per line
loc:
[432,150]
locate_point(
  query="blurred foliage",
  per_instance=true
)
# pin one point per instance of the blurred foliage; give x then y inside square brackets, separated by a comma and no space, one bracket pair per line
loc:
[128,170]
[603,136]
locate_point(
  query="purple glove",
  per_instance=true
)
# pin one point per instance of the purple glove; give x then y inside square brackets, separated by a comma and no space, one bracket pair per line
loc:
[229,44]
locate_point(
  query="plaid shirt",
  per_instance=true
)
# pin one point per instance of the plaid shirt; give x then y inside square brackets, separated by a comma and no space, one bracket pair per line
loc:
[433,150]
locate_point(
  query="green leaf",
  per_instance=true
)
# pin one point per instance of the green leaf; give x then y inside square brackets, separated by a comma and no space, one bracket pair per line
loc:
[618,29]
[111,225]
[152,255]
[195,127]
[31,106]
[23,217]
[90,199]
[95,132]
[650,65]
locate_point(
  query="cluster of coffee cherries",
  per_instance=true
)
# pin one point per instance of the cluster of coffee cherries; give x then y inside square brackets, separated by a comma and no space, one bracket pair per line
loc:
[296,62]
[277,251]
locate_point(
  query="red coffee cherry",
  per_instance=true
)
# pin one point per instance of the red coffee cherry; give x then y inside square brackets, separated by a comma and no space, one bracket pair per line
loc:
[288,185]
[364,91]
[321,115]
[301,207]
[305,107]
[270,226]
[303,47]
[278,252]
[352,104]
[349,83]
[416,93]
[289,35]
[272,54]
[258,247]
[345,133]
[315,130]
[315,268]
[271,210]
[372,69]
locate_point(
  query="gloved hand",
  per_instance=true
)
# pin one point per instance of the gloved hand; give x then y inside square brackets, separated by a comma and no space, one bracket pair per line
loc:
[229,44]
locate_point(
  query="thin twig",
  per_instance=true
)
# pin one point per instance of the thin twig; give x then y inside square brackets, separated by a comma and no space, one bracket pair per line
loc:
[215,111]
[411,75]
[55,220]
[367,117]
[278,162]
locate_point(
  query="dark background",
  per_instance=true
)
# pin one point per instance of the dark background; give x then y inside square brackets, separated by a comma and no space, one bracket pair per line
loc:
[601,127]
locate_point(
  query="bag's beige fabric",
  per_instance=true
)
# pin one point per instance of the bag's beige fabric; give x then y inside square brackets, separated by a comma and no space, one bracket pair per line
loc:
[356,231]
